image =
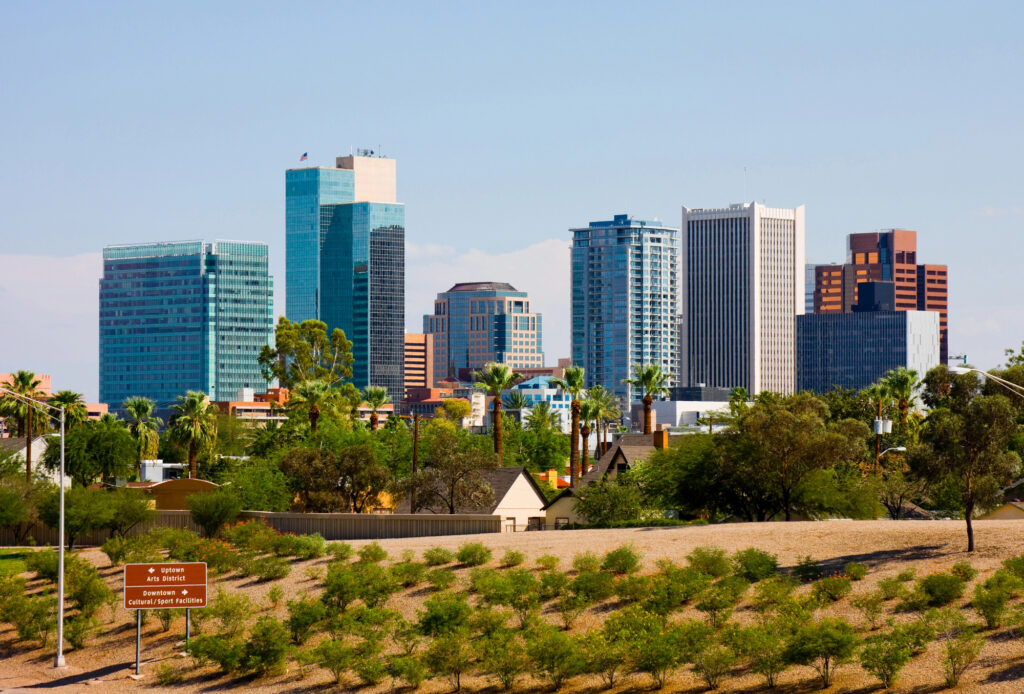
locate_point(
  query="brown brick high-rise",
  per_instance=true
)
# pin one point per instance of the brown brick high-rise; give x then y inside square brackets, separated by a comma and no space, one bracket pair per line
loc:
[887,256]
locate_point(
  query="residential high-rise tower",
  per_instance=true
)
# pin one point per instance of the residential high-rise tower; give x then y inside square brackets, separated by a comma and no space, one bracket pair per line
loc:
[624,300]
[742,286]
[183,316]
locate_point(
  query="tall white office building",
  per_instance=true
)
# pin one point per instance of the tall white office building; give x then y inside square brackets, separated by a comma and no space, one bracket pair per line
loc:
[742,286]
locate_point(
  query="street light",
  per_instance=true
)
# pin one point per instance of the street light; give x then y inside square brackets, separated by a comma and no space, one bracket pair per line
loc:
[898,449]
[1009,385]
[58,660]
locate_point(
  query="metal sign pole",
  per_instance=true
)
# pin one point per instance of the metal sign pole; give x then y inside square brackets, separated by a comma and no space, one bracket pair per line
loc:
[138,641]
[188,628]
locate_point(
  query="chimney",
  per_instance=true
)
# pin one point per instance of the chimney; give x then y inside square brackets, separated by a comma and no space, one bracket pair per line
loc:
[660,439]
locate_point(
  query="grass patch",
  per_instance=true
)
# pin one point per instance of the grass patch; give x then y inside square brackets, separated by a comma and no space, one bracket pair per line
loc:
[12,561]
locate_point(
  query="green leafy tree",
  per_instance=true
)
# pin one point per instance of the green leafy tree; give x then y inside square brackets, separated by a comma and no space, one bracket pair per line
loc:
[516,400]
[542,418]
[194,424]
[902,385]
[689,477]
[375,397]
[129,508]
[652,382]
[589,413]
[454,410]
[607,411]
[495,379]
[85,510]
[824,645]
[93,451]
[573,383]
[607,501]
[73,403]
[304,352]
[211,511]
[451,478]
[313,398]
[22,413]
[144,425]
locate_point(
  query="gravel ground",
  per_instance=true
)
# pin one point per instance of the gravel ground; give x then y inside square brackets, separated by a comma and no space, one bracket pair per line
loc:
[885,547]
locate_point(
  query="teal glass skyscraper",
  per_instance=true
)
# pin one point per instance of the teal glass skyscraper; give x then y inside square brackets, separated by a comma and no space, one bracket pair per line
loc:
[183,316]
[345,243]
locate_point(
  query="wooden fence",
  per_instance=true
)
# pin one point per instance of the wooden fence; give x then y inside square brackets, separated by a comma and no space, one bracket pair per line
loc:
[333,526]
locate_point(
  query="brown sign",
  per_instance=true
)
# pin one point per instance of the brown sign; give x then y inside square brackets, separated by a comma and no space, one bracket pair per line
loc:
[155,586]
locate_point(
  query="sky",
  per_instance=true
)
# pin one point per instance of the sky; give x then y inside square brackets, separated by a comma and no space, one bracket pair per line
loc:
[511,123]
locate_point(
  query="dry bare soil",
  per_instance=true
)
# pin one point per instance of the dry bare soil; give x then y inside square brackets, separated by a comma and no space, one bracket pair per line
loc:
[885,547]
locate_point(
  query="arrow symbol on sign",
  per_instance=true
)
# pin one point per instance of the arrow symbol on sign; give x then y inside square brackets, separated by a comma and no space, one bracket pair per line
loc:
[152,570]
[184,591]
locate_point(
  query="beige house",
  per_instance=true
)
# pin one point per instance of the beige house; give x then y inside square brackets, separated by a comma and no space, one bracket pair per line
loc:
[171,495]
[1011,510]
[629,450]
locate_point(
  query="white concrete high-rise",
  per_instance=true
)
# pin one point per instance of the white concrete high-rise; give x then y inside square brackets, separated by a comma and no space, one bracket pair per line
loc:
[742,286]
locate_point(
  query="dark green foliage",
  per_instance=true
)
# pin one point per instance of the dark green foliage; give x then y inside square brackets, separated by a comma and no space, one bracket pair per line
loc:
[621,560]
[372,553]
[132,550]
[808,569]
[441,578]
[754,564]
[436,556]
[225,651]
[473,554]
[94,450]
[765,646]
[832,588]
[934,590]
[300,546]
[266,646]
[552,584]
[128,508]
[213,510]
[340,551]
[376,584]
[964,571]
[450,656]
[712,561]
[259,484]
[303,616]
[408,573]
[884,656]
[611,500]
[556,657]
[444,613]
[270,568]
[991,604]
[512,558]
[85,510]
[593,586]
[586,561]
[824,645]
[502,654]
[855,570]
[631,589]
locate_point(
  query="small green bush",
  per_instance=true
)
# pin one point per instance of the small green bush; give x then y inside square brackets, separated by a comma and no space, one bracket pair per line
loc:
[964,571]
[211,511]
[764,644]
[440,578]
[407,669]
[168,675]
[832,588]
[621,560]
[891,588]
[717,602]
[408,573]
[884,656]
[713,663]
[855,570]
[473,554]
[270,568]
[916,634]
[444,613]
[449,656]
[940,589]
[754,565]
[586,561]
[870,606]
[674,586]
[770,594]
[303,616]
[275,595]
[503,656]
[552,584]
[333,656]
[548,562]
[376,584]
[990,603]
[712,561]
[808,569]
[339,551]
[341,586]
[231,610]
[555,656]
[906,575]
[300,546]
[371,671]
[512,558]
[569,607]
[372,553]
[593,586]
[1005,581]
[224,651]
[254,535]
[266,646]
[958,654]
[631,589]
[436,556]
[824,645]
[79,630]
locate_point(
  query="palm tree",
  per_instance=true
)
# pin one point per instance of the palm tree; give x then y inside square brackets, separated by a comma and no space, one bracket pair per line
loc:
[572,382]
[25,384]
[516,400]
[589,412]
[74,407]
[376,397]
[902,385]
[607,410]
[314,397]
[495,379]
[650,380]
[194,423]
[542,418]
[144,427]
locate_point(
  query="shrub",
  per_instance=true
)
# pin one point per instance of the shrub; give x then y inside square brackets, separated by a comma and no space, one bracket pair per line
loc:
[621,560]
[990,604]
[709,560]
[593,586]
[473,554]
[167,675]
[440,579]
[252,534]
[372,553]
[718,601]
[408,573]
[449,656]
[86,589]
[1005,581]
[754,565]
[890,588]
[906,575]
[266,646]
[333,656]
[166,616]
[213,510]
[218,555]
[502,655]
[300,546]
[824,646]
[964,571]
[78,630]
[552,584]
[275,595]
[808,569]
[673,587]
[436,556]
[958,654]
[85,509]
[488,621]
[916,634]
[11,588]
[128,508]
[512,558]
[444,613]
[555,655]
[937,590]
[224,651]
[855,570]
[605,656]
[713,663]
[44,563]
[884,656]
[548,562]
[340,551]
[586,561]
[370,670]
[870,606]
[376,584]
[341,586]
[770,594]
[570,606]
[303,616]
[34,618]
[231,610]
[765,646]
[408,669]
[633,588]
[832,588]
[270,568]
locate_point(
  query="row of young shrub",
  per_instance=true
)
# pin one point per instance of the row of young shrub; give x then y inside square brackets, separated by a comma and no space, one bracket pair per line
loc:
[635,523]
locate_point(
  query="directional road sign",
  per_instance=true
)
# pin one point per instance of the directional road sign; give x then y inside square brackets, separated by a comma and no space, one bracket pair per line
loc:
[155,586]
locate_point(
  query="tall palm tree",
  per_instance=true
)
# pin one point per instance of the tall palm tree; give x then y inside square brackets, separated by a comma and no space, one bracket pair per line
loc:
[516,400]
[573,383]
[194,423]
[314,397]
[376,397]
[589,412]
[495,379]
[25,384]
[74,407]
[607,411]
[542,418]
[650,380]
[145,427]
[902,385]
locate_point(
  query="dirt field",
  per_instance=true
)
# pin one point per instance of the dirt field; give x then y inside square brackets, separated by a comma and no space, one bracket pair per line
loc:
[885,547]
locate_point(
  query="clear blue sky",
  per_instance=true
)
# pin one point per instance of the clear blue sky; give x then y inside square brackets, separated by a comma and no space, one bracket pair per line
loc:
[511,122]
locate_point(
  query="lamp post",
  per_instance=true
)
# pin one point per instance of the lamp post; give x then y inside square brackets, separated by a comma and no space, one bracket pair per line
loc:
[1009,385]
[58,660]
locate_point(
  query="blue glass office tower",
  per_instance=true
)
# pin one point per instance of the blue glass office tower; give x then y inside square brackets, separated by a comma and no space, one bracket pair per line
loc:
[183,316]
[346,262]
[624,299]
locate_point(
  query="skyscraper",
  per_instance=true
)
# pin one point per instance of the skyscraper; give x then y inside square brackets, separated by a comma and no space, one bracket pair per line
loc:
[886,256]
[345,243]
[624,300]
[479,322]
[742,270]
[183,316]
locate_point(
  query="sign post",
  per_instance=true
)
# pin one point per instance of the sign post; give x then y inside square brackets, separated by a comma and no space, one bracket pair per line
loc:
[162,586]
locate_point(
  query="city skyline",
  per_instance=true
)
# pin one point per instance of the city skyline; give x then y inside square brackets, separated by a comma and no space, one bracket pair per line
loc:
[855,120]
